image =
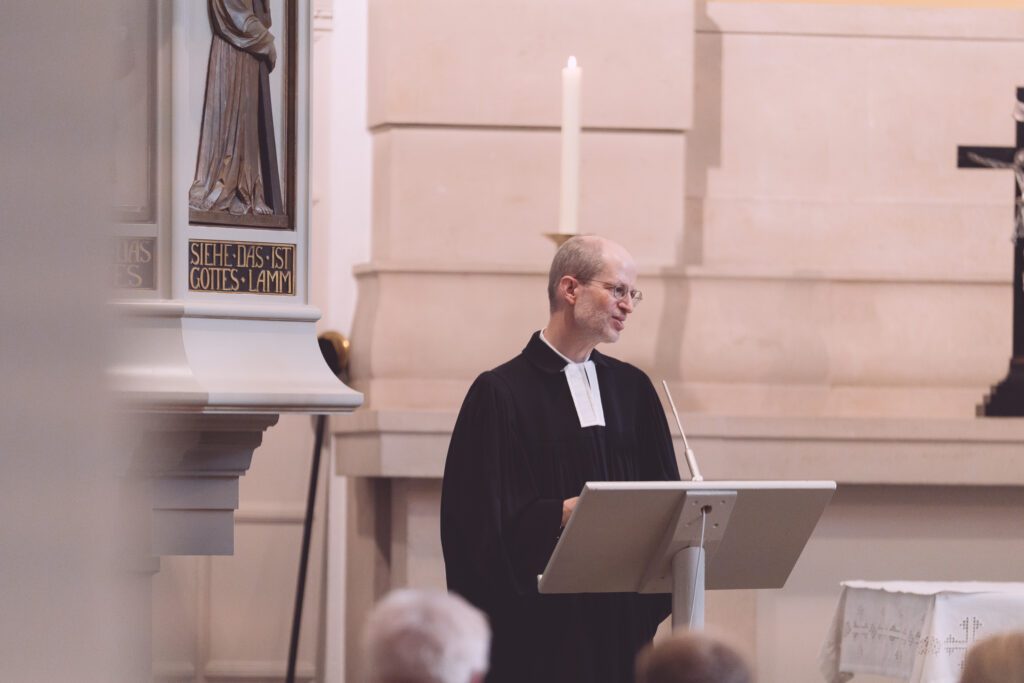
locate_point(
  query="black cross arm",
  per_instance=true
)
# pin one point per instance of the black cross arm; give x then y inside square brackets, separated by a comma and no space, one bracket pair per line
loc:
[1000,155]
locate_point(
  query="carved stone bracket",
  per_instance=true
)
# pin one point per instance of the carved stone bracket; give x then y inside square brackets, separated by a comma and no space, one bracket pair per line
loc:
[186,467]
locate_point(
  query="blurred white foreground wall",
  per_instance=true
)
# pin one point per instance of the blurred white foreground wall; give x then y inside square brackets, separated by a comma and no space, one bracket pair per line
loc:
[66,608]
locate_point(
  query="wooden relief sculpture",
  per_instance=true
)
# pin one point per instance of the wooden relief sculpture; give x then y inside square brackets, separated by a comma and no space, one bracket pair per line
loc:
[237,172]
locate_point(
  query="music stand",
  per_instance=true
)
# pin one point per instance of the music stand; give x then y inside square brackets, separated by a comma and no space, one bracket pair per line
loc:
[645,537]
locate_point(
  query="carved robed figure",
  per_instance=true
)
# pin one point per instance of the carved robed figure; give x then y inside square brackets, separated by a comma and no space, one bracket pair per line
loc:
[236,167]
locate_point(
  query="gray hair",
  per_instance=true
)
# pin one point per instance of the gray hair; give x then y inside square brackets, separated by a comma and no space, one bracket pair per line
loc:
[691,657]
[581,257]
[416,636]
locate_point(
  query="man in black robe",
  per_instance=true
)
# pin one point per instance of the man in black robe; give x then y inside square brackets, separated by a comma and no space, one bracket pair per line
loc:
[530,433]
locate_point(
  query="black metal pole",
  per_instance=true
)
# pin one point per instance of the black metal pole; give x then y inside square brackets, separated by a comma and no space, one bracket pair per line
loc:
[307,531]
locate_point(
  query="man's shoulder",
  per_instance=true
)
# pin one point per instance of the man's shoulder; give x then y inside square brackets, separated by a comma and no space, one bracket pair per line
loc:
[514,366]
[500,380]
[619,367]
[511,366]
[498,377]
[520,375]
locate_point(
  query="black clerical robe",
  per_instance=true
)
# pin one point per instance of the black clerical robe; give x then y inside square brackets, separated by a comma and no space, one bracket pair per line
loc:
[516,453]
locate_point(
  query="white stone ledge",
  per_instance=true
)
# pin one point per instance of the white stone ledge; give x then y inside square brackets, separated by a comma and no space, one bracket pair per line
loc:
[860,21]
[180,356]
[234,311]
[852,451]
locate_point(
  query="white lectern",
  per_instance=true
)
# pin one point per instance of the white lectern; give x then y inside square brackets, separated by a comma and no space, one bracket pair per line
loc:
[683,537]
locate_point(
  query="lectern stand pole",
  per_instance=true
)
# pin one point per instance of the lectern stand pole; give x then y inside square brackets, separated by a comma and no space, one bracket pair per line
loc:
[688,588]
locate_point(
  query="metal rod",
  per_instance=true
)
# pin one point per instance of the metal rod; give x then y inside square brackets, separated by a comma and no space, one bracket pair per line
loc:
[307,528]
[691,459]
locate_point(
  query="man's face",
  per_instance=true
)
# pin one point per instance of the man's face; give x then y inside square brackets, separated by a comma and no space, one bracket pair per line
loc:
[599,316]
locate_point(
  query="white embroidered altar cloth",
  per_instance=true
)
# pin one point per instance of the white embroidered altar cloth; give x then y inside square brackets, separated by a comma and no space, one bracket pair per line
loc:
[917,631]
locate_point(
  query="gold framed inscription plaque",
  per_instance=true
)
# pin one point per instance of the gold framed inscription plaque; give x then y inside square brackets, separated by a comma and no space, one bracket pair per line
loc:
[231,267]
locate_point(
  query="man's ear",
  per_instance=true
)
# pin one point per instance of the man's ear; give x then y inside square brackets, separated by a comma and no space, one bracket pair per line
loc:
[568,289]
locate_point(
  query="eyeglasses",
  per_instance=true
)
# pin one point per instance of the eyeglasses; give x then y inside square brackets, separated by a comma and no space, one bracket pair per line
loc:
[620,291]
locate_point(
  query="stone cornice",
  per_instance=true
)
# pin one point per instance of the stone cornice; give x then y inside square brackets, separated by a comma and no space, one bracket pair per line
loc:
[861,451]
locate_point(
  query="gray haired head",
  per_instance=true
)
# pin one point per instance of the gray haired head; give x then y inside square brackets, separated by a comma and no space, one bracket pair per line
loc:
[416,636]
[581,257]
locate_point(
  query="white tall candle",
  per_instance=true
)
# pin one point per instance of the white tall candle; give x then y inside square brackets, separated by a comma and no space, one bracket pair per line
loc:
[570,196]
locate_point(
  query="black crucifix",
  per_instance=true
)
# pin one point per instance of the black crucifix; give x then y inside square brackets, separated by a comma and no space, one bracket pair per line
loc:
[1007,398]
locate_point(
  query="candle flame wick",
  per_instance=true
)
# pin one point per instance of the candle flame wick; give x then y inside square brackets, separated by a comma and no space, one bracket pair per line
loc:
[572,63]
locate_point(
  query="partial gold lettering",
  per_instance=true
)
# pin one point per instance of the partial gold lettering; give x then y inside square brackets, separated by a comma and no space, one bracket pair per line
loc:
[133,259]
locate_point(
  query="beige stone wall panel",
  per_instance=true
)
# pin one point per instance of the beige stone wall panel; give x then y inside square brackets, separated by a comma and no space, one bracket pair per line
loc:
[781,400]
[495,63]
[474,196]
[801,145]
[829,139]
[442,325]
[176,608]
[935,240]
[860,333]
[758,338]
[416,557]
[250,638]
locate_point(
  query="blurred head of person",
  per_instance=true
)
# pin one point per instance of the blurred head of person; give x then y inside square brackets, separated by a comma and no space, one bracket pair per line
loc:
[691,657]
[418,636]
[996,659]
